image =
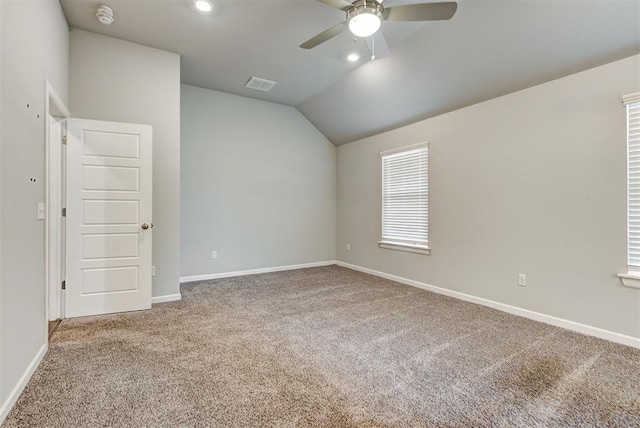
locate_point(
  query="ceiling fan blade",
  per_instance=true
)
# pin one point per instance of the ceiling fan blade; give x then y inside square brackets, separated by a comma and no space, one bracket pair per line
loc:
[324,36]
[338,4]
[421,12]
[378,45]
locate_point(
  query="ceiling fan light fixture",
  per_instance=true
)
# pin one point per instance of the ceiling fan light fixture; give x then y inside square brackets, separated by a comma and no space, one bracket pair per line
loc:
[365,17]
[353,57]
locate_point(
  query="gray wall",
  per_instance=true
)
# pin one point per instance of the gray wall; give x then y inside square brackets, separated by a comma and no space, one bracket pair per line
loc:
[34,37]
[258,185]
[119,81]
[532,182]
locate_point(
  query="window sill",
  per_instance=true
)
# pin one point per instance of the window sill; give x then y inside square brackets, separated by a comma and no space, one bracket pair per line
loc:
[630,280]
[410,248]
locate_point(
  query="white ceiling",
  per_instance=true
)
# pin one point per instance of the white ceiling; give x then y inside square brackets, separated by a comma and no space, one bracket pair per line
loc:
[488,49]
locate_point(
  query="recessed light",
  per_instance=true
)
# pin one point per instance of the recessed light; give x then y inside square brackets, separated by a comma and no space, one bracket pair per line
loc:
[353,57]
[203,5]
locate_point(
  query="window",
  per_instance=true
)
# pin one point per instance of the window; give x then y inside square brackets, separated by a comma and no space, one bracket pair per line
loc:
[405,193]
[632,277]
[633,181]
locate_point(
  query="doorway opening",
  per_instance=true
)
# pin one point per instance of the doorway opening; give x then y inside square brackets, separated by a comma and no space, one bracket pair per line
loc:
[56,114]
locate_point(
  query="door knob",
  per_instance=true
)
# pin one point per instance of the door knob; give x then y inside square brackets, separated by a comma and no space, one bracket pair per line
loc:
[145,226]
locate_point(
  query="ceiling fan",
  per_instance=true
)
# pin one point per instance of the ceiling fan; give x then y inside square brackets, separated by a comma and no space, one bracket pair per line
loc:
[364,18]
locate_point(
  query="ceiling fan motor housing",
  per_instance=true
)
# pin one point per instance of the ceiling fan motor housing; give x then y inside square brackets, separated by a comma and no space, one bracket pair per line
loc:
[365,6]
[365,9]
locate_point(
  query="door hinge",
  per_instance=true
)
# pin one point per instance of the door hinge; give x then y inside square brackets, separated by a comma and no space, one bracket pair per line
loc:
[64,285]
[64,139]
[64,212]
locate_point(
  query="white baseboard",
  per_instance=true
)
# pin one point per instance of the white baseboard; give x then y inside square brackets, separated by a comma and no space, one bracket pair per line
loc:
[24,379]
[525,313]
[166,298]
[254,271]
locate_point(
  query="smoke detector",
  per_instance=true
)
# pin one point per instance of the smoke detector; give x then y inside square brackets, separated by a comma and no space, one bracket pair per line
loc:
[105,14]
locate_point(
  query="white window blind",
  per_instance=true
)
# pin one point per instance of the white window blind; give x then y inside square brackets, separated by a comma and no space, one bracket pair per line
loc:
[405,197]
[633,180]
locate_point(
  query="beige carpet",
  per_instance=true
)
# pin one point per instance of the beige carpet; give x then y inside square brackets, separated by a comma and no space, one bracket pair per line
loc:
[326,347]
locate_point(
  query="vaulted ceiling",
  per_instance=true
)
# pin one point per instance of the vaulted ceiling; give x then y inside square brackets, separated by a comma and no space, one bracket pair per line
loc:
[489,48]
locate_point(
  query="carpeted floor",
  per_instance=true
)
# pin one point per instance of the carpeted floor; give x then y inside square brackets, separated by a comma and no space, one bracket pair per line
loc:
[326,347]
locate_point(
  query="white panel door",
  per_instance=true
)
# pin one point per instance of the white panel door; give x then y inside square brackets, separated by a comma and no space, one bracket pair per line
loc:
[108,223]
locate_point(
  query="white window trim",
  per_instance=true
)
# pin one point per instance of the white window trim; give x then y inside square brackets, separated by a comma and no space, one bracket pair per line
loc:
[410,248]
[631,278]
[403,149]
[631,98]
[399,245]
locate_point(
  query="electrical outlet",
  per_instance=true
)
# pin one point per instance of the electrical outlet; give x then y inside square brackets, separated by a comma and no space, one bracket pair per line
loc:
[214,255]
[348,247]
[153,271]
[522,279]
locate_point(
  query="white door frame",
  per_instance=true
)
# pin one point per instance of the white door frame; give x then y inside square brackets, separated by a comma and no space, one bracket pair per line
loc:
[54,107]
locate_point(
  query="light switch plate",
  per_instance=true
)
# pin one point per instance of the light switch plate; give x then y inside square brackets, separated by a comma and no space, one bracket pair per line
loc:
[40,210]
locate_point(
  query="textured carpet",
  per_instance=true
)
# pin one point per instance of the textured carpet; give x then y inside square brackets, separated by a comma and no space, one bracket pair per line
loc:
[326,347]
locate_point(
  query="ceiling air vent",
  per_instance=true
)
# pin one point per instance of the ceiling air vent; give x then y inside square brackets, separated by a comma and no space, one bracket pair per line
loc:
[263,85]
